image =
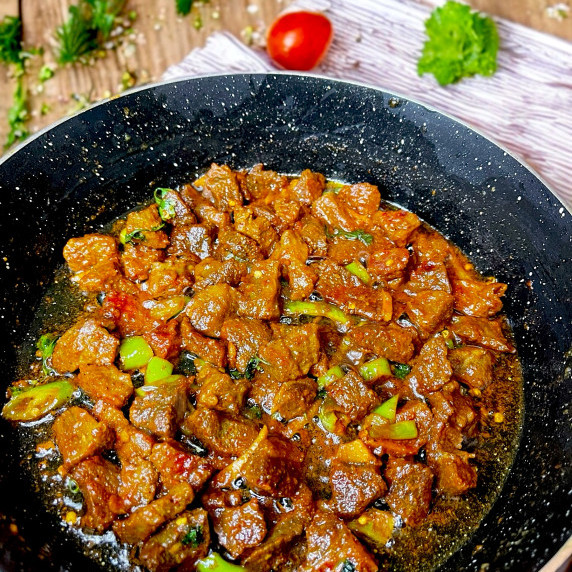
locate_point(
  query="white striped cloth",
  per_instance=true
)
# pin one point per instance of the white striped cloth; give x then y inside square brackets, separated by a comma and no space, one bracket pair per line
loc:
[525,107]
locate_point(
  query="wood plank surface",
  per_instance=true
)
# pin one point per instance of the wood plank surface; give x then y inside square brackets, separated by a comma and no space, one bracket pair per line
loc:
[159,38]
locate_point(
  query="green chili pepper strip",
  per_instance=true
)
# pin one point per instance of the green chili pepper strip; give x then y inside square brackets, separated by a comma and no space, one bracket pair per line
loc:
[400,430]
[215,561]
[45,346]
[375,369]
[375,525]
[358,269]
[316,309]
[33,403]
[332,374]
[327,416]
[134,353]
[157,369]
[166,205]
[388,408]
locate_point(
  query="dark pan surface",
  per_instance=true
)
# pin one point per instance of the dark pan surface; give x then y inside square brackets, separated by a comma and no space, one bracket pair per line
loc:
[87,170]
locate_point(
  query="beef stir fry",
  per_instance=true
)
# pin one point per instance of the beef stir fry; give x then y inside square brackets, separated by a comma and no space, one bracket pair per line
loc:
[279,372]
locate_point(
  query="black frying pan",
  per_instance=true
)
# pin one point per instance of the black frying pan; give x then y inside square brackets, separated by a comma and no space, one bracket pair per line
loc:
[83,172]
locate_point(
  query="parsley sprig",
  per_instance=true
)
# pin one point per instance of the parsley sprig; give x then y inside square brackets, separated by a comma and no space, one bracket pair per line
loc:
[461,43]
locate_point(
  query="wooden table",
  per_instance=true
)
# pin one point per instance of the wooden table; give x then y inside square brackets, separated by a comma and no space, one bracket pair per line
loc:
[161,38]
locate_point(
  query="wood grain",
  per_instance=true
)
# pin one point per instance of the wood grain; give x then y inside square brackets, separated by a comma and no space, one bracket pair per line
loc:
[160,38]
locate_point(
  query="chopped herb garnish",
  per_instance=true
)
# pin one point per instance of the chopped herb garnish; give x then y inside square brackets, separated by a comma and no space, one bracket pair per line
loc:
[358,234]
[184,6]
[137,234]
[461,43]
[321,394]
[45,346]
[186,363]
[348,566]
[235,374]
[253,411]
[401,370]
[88,25]
[251,368]
[194,537]
[166,204]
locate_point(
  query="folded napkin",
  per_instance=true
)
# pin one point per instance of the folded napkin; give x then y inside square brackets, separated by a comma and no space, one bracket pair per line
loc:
[526,107]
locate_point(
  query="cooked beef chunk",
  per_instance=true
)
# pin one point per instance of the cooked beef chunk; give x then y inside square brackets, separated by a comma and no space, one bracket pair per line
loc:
[363,198]
[354,487]
[240,527]
[331,544]
[212,271]
[431,369]
[233,245]
[94,259]
[85,343]
[176,465]
[138,259]
[105,382]
[244,337]
[259,292]
[352,395]
[221,186]
[226,436]
[145,520]
[179,544]
[410,489]
[79,436]
[472,365]
[392,341]
[209,349]
[260,182]
[219,391]
[160,409]
[98,480]
[209,308]
[138,482]
[294,398]
[429,311]
[397,225]
[145,226]
[256,227]
[307,188]
[481,331]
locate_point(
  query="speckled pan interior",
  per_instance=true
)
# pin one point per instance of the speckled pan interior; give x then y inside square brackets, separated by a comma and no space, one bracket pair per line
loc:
[83,172]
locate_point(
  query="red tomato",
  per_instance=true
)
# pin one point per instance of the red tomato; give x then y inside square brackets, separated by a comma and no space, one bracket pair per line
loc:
[299,40]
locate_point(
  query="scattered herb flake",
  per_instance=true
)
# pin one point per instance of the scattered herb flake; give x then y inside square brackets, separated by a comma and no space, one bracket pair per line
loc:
[194,537]
[401,370]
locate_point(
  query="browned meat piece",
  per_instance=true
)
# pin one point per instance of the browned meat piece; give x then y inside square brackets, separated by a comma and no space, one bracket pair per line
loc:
[259,292]
[428,276]
[264,389]
[240,527]
[168,278]
[472,365]
[165,340]
[354,487]
[138,482]
[273,553]
[287,213]
[78,435]
[161,409]
[431,369]
[144,226]
[211,271]
[219,391]
[270,467]
[333,211]
[142,522]
[85,343]
[307,188]
[209,349]
[137,259]
[391,341]
[244,337]
[233,245]
[410,489]
[259,183]
[454,474]
[294,398]
[183,214]
[292,254]
[361,197]
[193,241]
[344,251]
[340,287]
[256,227]
[292,352]
[396,225]
[429,247]
[94,260]
[478,298]
[331,543]
[175,465]
[179,544]
[429,310]
[203,209]
[98,481]
[124,312]
[482,332]
[387,264]
[209,308]
[224,435]
[313,233]
[413,410]
[352,395]
[220,184]
[105,382]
